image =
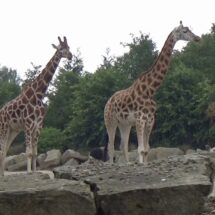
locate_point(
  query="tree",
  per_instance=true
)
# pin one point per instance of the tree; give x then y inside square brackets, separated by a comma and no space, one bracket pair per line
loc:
[9,85]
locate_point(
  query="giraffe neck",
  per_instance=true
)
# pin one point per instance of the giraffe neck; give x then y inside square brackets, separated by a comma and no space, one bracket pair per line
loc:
[149,82]
[40,84]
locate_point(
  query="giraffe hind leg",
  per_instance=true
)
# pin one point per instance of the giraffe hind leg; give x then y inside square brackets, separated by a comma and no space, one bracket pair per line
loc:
[111,135]
[125,132]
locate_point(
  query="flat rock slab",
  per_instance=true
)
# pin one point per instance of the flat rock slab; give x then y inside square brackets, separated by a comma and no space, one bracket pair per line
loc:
[177,185]
[37,194]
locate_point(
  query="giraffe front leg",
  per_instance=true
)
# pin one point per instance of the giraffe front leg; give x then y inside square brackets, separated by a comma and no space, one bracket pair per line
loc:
[28,142]
[2,162]
[140,125]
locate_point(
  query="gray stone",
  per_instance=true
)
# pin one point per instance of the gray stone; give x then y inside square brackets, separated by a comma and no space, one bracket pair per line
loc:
[53,159]
[158,153]
[16,162]
[69,153]
[72,162]
[41,158]
[35,194]
[176,185]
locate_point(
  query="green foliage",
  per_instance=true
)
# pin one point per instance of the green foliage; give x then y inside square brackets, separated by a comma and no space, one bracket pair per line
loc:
[51,138]
[9,85]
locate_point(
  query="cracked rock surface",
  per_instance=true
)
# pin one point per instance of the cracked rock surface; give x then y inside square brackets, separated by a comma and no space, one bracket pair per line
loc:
[178,185]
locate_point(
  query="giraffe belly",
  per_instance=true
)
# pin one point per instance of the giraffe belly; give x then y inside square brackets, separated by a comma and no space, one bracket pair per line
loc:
[126,118]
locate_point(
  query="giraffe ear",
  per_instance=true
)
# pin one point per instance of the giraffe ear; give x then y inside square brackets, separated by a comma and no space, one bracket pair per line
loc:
[54,46]
[65,40]
[60,40]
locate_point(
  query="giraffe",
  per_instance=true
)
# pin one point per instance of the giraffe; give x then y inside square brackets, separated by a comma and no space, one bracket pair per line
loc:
[135,106]
[26,112]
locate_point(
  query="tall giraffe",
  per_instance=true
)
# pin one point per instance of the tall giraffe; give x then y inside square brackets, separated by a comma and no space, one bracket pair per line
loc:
[134,106]
[26,112]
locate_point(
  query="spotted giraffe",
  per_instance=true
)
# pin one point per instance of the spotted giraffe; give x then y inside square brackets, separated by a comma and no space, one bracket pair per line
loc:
[135,106]
[26,112]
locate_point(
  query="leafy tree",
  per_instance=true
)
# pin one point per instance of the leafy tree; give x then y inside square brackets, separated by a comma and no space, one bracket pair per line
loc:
[50,138]
[9,85]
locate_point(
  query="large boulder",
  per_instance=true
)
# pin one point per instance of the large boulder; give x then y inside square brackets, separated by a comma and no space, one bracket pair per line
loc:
[35,194]
[16,162]
[71,154]
[176,185]
[52,159]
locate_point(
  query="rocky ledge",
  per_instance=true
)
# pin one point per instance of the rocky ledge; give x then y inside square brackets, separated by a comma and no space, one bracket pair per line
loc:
[177,185]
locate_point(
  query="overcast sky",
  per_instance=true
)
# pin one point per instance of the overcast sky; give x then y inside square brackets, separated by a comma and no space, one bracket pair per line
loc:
[29,27]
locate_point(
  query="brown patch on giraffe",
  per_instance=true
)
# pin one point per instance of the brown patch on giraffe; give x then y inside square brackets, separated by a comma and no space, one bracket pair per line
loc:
[135,105]
[163,71]
[143,86]
[39,96]
[140,100]
[34,85]
[152,109]
[18,112]
[30,109]
[32,116]
[15,120]
[132,95]
[147,103]
[25,114]
[128,100]
[15,106]
[24,100]
[33,100]
[121,115]
[155,75]
[13,114]
[149,80]
[47,76]
[130,106]
[28,121]
[21,107]
[158,66]
[156,84]
[160,77]
[125,115]
[29,93]
[138,90]
[143,78]
[10,107]
[145,110]
[161,58]
[151,91]
[144,117]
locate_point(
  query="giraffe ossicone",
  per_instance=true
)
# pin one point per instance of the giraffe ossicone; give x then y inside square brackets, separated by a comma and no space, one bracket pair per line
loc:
[135,106]
[27,111]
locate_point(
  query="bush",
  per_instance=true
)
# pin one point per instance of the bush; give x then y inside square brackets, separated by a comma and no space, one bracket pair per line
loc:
[51,138]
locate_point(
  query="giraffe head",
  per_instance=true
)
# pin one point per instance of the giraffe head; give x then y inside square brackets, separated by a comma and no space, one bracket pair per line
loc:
[184,33]
[63,49]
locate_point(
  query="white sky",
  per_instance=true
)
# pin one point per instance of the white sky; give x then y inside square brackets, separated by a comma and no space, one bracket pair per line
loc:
[29,27]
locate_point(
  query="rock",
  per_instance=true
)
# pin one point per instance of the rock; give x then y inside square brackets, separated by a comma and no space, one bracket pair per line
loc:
[72,162]
[16,162]
[154,154]
[163,153]
[53,159]
[190,151]
[68,154]
[176,185]
[35,194]
[40,159]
